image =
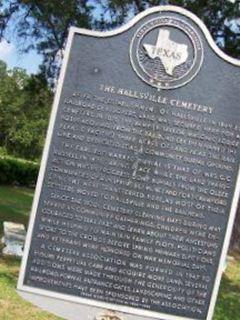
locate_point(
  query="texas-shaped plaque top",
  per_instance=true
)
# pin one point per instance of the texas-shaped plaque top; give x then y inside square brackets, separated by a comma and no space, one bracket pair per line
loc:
[171,54]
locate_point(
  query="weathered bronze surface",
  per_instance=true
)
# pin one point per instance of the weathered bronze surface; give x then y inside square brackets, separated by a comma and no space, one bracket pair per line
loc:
[133,207]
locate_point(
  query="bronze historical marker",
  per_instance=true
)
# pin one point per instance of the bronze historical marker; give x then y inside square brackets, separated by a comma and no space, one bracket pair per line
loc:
[138,188]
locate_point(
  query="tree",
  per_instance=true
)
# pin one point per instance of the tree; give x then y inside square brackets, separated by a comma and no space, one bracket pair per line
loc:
[44,25]
[221,17]
[24,110]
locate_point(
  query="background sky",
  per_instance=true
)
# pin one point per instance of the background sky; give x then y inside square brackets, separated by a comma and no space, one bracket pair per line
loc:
[10,53]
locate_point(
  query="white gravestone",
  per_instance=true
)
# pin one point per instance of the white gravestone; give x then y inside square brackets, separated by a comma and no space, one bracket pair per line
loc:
[14,238]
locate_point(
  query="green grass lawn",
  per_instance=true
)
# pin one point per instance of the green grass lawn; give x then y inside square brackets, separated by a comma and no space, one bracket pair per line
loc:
[228,304]
[15,205]
[12,307]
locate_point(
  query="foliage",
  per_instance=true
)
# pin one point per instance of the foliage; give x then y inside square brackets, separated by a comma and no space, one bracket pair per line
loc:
[44,25]
[235,240]
[15,204]
[221,17]
[18,171]
[3,151]
[24,110]
[12,306]
[228,306]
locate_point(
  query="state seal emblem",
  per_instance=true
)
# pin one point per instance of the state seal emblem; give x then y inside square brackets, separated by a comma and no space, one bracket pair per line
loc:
[166,52]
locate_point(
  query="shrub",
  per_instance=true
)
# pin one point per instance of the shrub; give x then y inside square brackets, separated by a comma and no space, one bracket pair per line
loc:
[18,171]
[3,151]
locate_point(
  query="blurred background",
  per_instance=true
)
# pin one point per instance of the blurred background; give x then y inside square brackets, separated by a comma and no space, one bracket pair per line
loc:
[33,35]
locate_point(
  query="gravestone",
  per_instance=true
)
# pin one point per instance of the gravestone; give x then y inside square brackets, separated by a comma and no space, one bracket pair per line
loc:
[13,239]
[139,182]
